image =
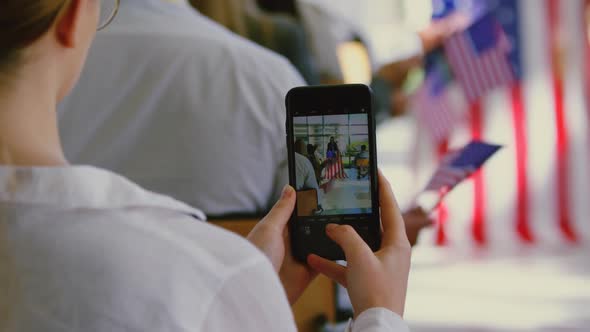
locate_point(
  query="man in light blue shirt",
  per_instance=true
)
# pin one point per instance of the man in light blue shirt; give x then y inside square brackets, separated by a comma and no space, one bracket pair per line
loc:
[183,106]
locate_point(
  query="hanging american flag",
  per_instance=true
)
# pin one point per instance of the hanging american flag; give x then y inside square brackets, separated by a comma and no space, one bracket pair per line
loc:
[432,103]
[335,169]
[478,57]
[535,189]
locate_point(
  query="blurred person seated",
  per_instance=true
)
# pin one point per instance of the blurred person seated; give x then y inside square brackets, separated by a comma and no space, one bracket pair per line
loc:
[361,162]
[315,160]
[317,153]
[178,103]
[280,33]
[372,42]
[304,169]
[307,184]
[383,31]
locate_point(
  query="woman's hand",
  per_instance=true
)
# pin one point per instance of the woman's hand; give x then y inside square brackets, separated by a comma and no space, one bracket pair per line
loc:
[373,279]
[271,236]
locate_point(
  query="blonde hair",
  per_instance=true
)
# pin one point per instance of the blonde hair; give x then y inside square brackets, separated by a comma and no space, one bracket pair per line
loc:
[22,22]
[233,14]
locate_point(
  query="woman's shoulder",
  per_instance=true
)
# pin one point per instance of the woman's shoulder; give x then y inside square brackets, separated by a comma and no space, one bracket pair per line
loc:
[123,236]
[123,264]
[104,210]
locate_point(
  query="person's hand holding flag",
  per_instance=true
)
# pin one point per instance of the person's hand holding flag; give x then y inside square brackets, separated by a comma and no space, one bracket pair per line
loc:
[435,34]
[454,169]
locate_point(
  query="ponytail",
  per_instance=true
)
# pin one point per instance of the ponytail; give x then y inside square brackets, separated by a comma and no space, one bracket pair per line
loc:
[21,23]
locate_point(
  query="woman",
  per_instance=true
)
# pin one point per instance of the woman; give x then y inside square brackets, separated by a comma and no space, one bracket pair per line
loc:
[83,249]
[332,150]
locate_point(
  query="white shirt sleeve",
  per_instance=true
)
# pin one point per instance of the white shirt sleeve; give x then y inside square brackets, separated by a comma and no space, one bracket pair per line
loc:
[252,299]
[378,320]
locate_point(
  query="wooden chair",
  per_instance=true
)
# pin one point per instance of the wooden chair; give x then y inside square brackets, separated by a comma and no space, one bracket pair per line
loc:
[363,167]
[307,202]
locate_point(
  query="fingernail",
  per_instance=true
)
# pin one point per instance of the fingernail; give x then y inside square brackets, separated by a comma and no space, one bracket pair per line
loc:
[287,190]
[331,227]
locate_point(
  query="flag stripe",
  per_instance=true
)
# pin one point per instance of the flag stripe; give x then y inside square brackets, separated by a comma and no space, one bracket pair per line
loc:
[522,193]
[562,155]
[441,234]
[479,190]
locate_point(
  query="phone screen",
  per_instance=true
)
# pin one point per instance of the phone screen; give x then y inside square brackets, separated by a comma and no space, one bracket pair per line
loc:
[332,165]
[332,155]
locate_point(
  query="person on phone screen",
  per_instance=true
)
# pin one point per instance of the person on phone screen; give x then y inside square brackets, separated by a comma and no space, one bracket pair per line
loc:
[361,162]
[332,150]
[304,171]
[317,153]
[316,162]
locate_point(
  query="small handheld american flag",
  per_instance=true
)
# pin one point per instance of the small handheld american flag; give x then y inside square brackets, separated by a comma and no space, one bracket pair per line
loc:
[478,57]
[458,166]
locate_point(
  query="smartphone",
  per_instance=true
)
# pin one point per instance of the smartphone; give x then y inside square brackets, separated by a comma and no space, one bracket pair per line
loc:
[332,166]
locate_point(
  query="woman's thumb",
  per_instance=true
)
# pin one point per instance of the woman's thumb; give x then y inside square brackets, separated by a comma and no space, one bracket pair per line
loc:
[281,212]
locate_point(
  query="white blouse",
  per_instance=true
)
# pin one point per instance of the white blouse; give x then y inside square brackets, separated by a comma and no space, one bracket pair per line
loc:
[94,252]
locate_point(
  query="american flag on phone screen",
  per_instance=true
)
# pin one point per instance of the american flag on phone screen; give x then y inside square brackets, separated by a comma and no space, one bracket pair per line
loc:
[335,169]
[478,57]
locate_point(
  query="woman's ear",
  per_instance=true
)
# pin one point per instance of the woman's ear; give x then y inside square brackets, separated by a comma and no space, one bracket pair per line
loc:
[68,24]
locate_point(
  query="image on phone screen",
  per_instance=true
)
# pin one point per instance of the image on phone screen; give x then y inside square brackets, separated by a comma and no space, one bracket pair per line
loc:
[332,164]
